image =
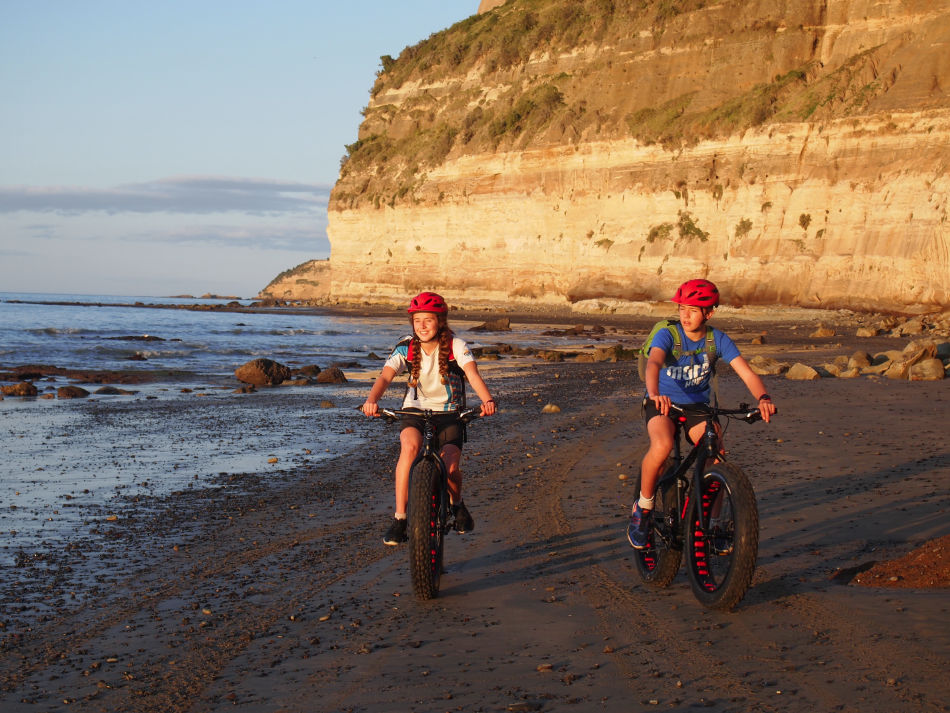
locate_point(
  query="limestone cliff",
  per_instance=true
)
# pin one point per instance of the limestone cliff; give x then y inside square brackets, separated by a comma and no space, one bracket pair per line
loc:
[557,151]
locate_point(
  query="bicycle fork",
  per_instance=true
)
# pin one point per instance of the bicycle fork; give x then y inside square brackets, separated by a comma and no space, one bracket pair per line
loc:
[704,511]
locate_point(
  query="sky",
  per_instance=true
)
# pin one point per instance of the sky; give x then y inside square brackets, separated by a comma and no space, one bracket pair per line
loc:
[182,146]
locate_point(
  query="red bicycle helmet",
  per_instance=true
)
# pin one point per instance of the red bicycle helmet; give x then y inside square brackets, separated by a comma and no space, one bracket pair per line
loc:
[699,293]
[428,302]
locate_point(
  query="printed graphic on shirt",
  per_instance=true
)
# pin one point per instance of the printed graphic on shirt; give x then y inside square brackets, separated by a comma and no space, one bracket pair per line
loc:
[690,374]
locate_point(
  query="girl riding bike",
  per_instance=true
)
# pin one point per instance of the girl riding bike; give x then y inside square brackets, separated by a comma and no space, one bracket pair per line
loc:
[683,376]
[438,363]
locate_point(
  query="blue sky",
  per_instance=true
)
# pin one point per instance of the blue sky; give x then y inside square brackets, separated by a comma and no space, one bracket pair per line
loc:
[182,147]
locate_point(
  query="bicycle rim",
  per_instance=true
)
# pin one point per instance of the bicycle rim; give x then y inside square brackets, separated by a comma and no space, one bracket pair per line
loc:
[427,513]
[721,561]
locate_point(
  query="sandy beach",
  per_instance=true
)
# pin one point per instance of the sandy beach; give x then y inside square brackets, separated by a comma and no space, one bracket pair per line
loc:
[271,590]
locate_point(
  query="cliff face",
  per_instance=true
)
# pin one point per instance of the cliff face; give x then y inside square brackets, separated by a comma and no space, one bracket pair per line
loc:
[794,152]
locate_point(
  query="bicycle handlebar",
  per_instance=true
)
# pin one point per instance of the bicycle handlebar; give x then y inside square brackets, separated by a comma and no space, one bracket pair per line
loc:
[743,413]
[393,414]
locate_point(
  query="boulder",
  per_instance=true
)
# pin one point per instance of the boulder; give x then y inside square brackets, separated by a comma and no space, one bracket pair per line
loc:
[829,369]
[884,357]
[615,352]
[575,331]
[113,391]
[71,392]
[501,324]
[927,370]
[859,360]
[331,375]
[898,369]
[922,348]
[802,372]
[262,372]
[766,366]
[867,332]
[24,388]
[911,326]
[877,367]
[823,331]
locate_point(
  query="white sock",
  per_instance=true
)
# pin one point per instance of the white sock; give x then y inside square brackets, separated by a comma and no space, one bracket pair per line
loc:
[646,503]
[400,516]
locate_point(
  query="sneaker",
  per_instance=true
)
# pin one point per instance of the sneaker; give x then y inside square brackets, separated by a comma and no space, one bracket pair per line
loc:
[396,533]
[638,531]
[463,518]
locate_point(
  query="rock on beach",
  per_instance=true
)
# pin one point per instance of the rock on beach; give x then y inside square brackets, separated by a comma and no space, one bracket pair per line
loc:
[262,372]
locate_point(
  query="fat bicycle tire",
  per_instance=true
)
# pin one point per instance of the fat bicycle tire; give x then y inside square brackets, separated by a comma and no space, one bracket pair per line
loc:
[721,563]
[659,562]
[428,503]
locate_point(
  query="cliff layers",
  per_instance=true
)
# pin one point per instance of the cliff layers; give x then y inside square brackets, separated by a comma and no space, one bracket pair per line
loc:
[558,152]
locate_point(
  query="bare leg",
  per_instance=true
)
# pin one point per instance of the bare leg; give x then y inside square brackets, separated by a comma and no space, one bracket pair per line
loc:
[410,440]
[452,456]
[661,430]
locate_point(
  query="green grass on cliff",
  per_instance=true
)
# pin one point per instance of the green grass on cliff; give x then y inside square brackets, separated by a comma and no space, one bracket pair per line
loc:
[534,73]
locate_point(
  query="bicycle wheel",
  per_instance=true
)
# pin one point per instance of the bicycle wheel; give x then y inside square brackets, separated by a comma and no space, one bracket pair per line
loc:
[658,564]
[427,513]
[721,562]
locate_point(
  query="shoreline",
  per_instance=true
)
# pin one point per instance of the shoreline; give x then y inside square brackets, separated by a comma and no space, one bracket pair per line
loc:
[265,585]
[607,313]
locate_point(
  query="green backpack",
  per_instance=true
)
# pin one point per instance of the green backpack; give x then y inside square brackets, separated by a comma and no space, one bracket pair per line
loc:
[673,356]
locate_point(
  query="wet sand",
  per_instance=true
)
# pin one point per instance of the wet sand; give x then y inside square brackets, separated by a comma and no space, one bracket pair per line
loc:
[271,590]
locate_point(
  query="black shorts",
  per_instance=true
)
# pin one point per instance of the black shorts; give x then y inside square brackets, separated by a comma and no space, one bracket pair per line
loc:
[448,429]
[693,417]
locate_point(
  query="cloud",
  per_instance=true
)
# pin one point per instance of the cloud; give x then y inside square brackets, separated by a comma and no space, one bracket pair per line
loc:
[289,238]
[183,194]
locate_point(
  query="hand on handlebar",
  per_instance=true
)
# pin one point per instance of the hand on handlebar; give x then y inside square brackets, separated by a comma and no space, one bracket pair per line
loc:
[767,409]
[662,404]
[488,408]
[370,409]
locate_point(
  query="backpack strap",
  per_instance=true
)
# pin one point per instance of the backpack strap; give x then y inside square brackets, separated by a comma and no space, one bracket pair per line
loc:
[677,351]
[713,358]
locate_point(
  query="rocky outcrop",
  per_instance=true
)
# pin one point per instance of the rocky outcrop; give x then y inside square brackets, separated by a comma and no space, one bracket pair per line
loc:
[796,153]
[309,281]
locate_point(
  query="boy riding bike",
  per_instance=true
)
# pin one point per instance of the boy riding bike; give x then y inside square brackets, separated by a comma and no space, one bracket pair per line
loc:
[680,373]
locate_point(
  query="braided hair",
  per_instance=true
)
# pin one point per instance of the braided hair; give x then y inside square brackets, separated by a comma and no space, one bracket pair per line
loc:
[445,336]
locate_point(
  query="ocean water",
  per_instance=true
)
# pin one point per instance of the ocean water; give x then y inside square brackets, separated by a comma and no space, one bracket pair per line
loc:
[69,464]
[85,332]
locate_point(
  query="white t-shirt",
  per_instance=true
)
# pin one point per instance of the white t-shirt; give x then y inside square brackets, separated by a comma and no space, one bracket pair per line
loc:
[430,393]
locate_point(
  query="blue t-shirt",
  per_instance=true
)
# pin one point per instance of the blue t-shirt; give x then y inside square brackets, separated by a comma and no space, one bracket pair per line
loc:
[687,382]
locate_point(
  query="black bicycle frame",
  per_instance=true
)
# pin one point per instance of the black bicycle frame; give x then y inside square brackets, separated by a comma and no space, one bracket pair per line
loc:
[708,445]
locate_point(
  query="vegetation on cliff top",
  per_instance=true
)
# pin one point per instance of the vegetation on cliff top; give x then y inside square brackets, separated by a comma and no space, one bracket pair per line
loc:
[535,73]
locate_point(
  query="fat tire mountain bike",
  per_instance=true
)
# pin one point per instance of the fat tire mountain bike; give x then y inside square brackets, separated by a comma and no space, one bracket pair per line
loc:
[711,514]
[428,514]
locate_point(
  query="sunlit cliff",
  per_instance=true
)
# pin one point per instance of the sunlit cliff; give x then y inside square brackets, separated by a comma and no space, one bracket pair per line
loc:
[592,152]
